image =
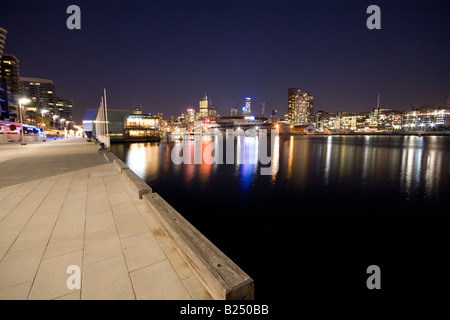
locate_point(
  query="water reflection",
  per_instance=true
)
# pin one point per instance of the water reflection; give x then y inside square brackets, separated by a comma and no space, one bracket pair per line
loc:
[410,166]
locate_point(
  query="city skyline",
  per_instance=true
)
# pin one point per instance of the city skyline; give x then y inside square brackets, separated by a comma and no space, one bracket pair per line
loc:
[165,56]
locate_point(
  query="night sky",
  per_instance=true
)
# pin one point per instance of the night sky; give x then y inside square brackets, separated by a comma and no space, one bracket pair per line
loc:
[166,54]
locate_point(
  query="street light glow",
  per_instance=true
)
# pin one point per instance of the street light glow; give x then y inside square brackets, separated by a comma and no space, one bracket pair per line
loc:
[24,101]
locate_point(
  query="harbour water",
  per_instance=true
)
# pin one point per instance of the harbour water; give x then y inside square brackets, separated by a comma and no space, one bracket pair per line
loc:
[333,206]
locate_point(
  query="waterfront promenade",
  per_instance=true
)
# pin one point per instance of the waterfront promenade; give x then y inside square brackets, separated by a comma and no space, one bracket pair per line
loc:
[63,204]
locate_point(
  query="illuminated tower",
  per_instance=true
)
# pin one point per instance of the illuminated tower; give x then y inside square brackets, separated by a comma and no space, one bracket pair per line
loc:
[3,33]
[247,108]
[203,112]
[300,107]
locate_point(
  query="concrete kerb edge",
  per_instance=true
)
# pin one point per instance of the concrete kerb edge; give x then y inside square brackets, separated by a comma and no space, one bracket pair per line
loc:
[136,183]
[223,279]
[218,286]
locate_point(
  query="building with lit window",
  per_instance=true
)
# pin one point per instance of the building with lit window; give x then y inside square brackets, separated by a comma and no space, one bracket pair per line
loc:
[3,33]
[300,107]
[426,118]
[190,115]
[247,108]
[141,127]
[41,92]
[203,110]
[10,71]
[9,83]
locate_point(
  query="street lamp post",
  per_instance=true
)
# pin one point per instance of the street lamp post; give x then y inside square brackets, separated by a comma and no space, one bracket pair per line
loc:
[22,101]
[43,112]
[60,126]
[54,126]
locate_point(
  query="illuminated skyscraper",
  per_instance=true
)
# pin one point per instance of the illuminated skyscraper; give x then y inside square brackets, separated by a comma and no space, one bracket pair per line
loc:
[247,108]
[4,109]
[300,107]
[3,33]
[203,112]
[10,71]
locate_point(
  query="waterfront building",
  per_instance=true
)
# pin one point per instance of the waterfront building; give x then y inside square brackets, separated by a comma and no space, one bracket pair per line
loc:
[203,109]
[243,121]
[190,115]
[426,118]
[137,110]
[300,107]
[141,127]
[212,112]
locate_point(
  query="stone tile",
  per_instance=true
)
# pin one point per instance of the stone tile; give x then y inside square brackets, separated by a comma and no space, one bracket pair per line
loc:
[19,292]
[99,223]
[196,289]
[76,295]
[142,250]
[101,246]
[20,267]
[65,241]
[32,237]
[10,231]
[107,280]
[70,221]
[178,263]
[6,191]
[95,208]
[123,209]
[15,198]
[154,226]
[51,279]
[158,282]
[104,173]
[131,225]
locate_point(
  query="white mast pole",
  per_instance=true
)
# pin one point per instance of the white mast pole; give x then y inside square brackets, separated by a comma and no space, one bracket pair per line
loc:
[106,119]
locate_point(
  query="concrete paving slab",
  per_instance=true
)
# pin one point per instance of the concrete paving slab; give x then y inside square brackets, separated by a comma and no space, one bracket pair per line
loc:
[71,207]
[51,279]
[107,280]
[159,282]
[142,250]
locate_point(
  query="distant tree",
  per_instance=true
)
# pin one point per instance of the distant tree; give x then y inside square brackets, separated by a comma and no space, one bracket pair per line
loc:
[31,116]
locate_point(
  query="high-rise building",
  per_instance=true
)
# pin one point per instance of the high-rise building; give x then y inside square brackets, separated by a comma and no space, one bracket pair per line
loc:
[137,110]
[10,87]
[10,71]
[234,111]
[300,107]
[190,115]
[203,111]
[448,100]
[63,107]
[212,112]
[41,93]
[4,109]
[3,33]
[247,108]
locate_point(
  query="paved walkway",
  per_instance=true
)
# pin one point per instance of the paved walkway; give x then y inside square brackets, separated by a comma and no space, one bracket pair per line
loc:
[61,204]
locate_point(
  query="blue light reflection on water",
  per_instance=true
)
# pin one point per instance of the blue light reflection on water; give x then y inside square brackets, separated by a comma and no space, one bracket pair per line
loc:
[347,170]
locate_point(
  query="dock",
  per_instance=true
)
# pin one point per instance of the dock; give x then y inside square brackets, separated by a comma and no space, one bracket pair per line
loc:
[65,203]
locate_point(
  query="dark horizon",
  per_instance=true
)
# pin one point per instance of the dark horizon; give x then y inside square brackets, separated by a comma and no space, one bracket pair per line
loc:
[166,55]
